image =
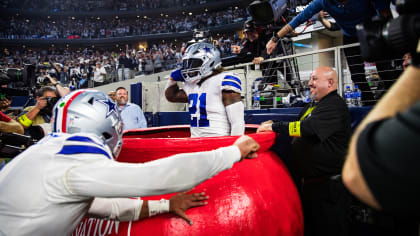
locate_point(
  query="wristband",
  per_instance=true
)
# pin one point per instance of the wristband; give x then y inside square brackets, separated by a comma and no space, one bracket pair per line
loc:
[24,120]
[294,129]
[158,207]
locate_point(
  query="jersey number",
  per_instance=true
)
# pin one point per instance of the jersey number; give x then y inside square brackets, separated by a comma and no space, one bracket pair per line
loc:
[194,102]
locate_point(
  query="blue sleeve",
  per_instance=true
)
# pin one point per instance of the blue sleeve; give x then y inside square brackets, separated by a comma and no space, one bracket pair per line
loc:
[177,76]
[142,123]
[306,14]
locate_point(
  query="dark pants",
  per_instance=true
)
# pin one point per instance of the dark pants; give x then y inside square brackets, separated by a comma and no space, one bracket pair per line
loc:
[96,84]
[326,207]
[386,71]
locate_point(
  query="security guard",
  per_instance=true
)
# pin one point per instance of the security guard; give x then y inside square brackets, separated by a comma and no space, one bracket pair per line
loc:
[320,140]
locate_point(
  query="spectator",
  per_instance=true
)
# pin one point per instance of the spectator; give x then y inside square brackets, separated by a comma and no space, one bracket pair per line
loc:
[124,65]
[91,28]
[319,145]
[131,114]
[99,75]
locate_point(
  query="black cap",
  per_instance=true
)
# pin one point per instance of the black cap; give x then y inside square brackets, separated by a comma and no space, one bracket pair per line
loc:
[249,25]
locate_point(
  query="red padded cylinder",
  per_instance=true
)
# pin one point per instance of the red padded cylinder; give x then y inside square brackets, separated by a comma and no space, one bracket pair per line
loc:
[255,197]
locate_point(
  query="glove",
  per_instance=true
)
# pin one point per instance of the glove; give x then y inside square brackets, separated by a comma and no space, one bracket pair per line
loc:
[177,76]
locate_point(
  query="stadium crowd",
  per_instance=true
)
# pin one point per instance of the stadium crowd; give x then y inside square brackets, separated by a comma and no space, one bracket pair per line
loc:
[88,28]
[74,65]
[94,5]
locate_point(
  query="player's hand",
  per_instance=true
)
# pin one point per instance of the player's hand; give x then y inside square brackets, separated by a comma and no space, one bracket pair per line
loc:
[258,60]
[271,45]
[235,49]
[248,147]
[179,203]
[267,122]
[265,128]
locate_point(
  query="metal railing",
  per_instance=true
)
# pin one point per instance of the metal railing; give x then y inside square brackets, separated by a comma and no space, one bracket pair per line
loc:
[291,74]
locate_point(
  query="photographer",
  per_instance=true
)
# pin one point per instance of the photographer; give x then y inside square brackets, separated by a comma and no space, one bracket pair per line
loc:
[381,168]
[42,111]
[254,43]
[5,104]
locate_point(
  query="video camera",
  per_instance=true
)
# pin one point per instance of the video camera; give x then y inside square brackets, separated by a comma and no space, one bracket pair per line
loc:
[266,12]
[381,39]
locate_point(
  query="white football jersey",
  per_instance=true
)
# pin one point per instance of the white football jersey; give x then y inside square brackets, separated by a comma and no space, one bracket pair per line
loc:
[49,188]
[205,103]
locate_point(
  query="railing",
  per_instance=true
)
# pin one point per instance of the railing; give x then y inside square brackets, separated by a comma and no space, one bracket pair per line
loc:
[290,77]
[290,74]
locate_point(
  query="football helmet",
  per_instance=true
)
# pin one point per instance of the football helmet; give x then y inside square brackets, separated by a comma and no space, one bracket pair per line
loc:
[199,61]
[90,111]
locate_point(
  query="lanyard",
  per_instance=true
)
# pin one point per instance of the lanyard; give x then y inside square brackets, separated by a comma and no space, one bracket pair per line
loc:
[307,113]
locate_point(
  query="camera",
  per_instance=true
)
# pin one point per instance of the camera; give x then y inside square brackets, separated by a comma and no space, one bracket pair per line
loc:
[266,12]
[382,39]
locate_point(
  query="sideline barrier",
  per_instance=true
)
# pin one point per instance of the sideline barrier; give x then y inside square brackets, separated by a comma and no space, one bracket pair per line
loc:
[251,116]
[255,197]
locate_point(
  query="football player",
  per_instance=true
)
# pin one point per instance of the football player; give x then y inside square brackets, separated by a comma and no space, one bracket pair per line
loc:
[213,96]
[51,186]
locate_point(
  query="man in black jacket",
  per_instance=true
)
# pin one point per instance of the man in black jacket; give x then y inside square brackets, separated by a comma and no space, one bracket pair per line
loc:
[320,140]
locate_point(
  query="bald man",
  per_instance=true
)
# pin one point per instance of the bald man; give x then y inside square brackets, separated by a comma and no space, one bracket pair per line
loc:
[319,140]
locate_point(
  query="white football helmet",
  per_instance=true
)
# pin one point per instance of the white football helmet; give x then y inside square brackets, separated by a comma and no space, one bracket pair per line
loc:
[199,61]
[90,111]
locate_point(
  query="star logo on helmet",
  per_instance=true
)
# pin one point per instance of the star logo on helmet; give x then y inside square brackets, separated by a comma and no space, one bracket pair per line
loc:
[111,107]
[207,49]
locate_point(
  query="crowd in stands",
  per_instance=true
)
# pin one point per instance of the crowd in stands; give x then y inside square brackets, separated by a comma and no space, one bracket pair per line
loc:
[73,65]
[95,5]
[70,28]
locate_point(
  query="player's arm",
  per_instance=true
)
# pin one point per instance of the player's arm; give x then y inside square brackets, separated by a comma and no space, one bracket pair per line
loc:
[172,174]
[132,209]
[172,92]
[231,96]
[235,112]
